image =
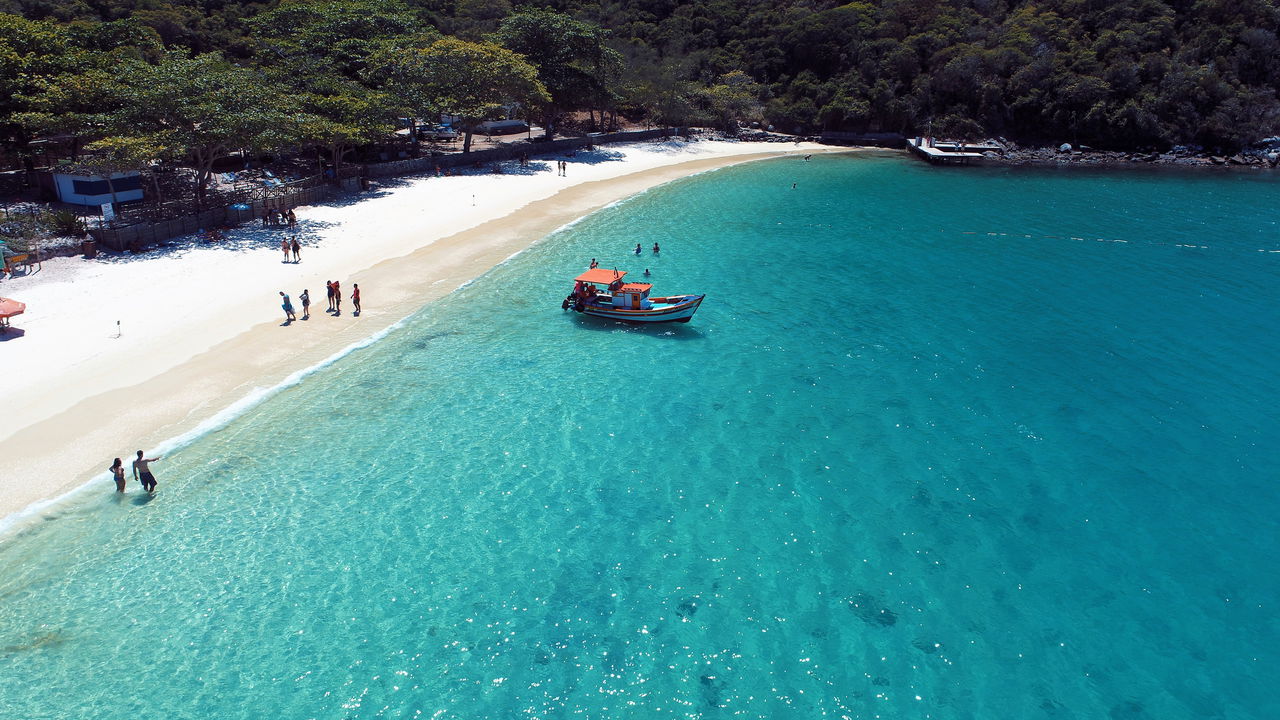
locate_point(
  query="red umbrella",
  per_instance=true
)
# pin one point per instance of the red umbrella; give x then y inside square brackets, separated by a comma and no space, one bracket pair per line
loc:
[9,308]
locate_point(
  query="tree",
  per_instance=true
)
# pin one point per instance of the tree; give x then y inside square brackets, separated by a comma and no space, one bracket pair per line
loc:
[733,99]
[203,107]
[333,36]
[574,64]
[32,54]
[343,117]
[471,80]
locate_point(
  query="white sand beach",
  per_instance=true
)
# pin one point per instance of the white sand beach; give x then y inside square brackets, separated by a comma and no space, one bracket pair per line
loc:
[127,352]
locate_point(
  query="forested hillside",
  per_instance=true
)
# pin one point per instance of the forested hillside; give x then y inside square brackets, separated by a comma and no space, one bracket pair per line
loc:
[1109,73]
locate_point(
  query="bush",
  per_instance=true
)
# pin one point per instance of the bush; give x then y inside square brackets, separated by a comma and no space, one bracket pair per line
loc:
[66,223]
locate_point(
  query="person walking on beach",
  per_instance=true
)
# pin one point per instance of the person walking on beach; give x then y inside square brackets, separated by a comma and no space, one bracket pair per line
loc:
[140,467]
[287,305]
[117,470]
[296,248]
[293,219]
[328,288]
[355,297]
[305,297]
[337,298]
[284,246]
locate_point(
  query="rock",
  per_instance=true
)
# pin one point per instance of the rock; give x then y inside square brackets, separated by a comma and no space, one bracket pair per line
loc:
[1064,147]
[1218,160]
[1237,160]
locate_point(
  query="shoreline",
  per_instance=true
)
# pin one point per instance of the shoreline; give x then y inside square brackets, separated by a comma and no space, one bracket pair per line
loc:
[104,398]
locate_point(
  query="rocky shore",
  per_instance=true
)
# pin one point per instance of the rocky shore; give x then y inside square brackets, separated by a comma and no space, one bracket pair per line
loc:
[1262,157]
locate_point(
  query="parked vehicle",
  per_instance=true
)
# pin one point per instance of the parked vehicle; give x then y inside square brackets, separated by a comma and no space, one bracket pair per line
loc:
[437,132]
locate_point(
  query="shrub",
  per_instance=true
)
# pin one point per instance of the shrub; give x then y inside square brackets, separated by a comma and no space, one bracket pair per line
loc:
[66,223]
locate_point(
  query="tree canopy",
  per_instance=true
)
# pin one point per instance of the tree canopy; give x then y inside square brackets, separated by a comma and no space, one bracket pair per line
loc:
[1124,73]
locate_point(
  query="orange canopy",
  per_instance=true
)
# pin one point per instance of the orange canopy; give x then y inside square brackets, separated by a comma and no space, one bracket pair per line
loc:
[600,276]
[9,308]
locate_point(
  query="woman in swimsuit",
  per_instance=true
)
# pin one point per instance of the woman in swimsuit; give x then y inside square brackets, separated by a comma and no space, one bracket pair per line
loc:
[117,469]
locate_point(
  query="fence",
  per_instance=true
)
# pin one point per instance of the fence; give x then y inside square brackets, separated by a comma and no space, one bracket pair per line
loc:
[148,226]
[248,205]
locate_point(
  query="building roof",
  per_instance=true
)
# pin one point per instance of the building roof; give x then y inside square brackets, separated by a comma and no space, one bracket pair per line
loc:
[636,288]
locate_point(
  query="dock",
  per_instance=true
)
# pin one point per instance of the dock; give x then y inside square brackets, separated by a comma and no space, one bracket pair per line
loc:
[948,152]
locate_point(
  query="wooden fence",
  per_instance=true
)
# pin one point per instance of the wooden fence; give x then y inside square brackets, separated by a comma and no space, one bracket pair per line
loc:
[136,230]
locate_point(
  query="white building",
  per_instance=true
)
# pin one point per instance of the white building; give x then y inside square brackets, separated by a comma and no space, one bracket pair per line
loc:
[84,189]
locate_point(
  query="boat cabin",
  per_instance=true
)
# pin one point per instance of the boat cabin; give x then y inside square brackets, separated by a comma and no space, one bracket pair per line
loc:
[633,296]
[623,295]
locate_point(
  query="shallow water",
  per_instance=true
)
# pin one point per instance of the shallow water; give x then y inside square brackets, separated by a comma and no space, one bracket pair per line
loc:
[940,443]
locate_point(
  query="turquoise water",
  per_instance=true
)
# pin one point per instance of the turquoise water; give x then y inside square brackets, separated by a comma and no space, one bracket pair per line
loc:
[985,443]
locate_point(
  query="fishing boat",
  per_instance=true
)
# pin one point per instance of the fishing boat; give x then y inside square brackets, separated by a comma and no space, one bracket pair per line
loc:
[604,293]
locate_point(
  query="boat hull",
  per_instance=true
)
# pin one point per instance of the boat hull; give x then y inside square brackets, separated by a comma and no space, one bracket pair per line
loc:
[676,312]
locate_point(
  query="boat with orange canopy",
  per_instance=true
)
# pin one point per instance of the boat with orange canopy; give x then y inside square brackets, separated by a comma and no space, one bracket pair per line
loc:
[9,308]
[604,293]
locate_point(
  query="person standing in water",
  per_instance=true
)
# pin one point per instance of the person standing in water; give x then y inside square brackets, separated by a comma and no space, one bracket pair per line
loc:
[117,470]
[656,249]
[140,468]
[637,248]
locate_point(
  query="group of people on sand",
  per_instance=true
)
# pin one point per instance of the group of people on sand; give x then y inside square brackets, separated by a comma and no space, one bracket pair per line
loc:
[274,217]
[332,288]
[141,473]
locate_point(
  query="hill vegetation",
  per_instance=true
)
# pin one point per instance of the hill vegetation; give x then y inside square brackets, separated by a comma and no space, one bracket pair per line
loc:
[190,79]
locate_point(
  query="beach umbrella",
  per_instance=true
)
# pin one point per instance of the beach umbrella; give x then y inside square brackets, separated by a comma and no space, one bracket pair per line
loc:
[9,308]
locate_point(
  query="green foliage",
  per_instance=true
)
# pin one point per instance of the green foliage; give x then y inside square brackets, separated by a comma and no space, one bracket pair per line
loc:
[333,36]
[199,108]
[574,64]
[471,80]
[344,116]
[1119,73]
[66,223]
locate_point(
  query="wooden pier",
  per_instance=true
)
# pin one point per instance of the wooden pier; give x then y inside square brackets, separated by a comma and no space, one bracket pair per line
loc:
[948,153]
